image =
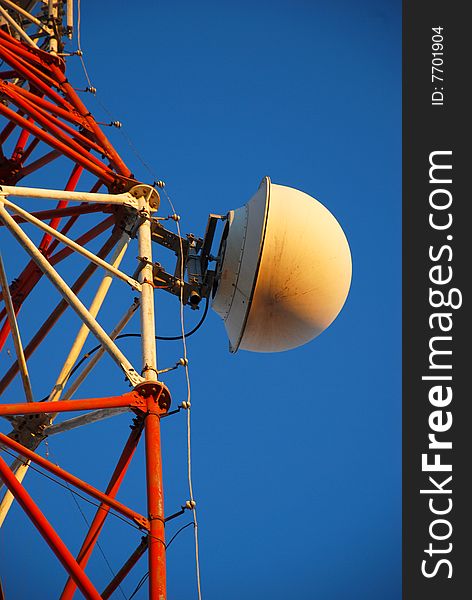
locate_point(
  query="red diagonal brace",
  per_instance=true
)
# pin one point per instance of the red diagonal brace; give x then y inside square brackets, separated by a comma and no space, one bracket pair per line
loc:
[69,150]
[68,115]
[31,274]
[48,533]
[125,569]
[29,74]
[59,310]
[102,513]
[75,481]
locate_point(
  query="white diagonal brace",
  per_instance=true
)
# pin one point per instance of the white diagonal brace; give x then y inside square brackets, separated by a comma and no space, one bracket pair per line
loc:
[74,245]
[26,14]
[84,331]
[125,199]
[98,355]
[85,419]
[8,498]
[15,332]
[70,297]
[17,27]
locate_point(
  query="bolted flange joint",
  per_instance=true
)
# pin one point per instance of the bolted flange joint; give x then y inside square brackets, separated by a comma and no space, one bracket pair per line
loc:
[142,522]
[156,394]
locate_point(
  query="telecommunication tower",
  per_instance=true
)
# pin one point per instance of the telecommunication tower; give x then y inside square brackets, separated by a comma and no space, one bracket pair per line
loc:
[279,276]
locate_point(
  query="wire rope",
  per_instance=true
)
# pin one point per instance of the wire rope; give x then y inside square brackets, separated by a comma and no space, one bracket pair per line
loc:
[183,335]
[89,353]
[78,494]
[189,446]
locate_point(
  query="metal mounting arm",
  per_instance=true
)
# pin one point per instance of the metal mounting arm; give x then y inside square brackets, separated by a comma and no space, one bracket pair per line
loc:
[195,254]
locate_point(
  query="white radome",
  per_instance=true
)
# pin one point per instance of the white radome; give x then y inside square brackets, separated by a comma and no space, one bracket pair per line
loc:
[285,273]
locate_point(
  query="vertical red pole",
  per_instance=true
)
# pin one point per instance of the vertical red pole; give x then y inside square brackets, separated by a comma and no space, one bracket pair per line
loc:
[155,498]
[48,533]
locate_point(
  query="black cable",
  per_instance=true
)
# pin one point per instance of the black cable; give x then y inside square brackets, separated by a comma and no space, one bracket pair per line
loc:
[97,542]
[175,338]
[157,337]
[80,495]
[177,533]
[142,581]
[129,335]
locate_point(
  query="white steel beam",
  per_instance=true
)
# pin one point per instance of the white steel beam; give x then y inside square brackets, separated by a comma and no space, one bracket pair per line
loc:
[148,339]
[70,297]
[125,199]
[74,386]
[84,330]
[15,332]
[21,32]
[86,419]
[8,498]
[26,14]
[74,245]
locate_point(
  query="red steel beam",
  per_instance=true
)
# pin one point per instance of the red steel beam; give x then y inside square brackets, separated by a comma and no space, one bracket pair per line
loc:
[83,239]
[72,221]
[155,501]
[49,123]
[70,186]
[37,82]
[37,70]
[73,480]
[68,115]
[132,400]
[73,133]
[102,512]
[18,152]
[40,113]
[115,158]
[38,163]
[58,311]
[48,533]
[8,74]
[31,274]
[104,173]
[9,127]
[125,569]
[61,82]
[40,57]
[29,149]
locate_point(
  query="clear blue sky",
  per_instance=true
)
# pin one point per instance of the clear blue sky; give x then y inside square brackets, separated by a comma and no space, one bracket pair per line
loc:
[296,455]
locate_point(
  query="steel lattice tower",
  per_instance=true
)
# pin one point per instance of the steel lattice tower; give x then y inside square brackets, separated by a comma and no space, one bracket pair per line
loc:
[45,122]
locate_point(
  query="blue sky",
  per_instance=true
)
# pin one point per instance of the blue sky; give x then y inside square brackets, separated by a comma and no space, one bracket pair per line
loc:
[296,455]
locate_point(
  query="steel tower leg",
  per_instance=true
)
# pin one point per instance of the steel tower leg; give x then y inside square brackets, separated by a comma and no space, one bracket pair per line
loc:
[155,494]
[155,497]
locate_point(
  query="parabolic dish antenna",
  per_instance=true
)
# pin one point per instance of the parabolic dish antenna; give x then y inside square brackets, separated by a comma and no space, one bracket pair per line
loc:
[285,270]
